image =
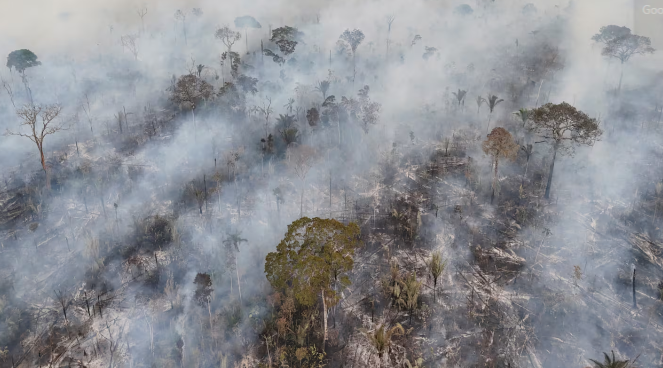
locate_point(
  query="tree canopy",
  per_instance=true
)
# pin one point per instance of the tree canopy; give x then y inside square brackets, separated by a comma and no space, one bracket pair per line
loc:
[564,125]
[312,255]
[21,60]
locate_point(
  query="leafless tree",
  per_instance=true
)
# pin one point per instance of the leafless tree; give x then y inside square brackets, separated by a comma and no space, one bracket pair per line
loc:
[64,301]
[141,13]
[301,159]
[129,42]
[40,121]
[390,20]
[180,16]
[10,91]
[86,108]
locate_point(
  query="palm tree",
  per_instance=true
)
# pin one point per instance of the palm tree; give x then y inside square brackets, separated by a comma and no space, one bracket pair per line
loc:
[480,101]
[323,87]
[408,297]
[460,96]
[492,102]
[380,339]
[523,114]
[234,240]
[610,363]
[291,101]
[436,267]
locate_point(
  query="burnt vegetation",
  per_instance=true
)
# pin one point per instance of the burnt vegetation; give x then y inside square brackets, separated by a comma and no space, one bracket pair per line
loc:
[276,195]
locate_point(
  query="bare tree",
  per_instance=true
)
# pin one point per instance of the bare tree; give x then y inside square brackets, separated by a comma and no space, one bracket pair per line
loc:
[563,126]
[40,121]
[390,20]
[141,13]
[10,91]
[180,16]
[64,301]
[301,160]
[499,144]
[129,42]
[227,36]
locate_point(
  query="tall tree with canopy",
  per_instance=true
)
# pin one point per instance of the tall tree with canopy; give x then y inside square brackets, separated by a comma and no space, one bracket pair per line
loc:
[353,38]
[619,43]
[564,127]
[499,144]
[286,38]
[246,22]
[189,91]
[21,60]
[314,259]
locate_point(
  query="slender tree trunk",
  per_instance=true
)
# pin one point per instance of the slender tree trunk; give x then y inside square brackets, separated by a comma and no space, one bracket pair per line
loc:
[492,197]
[536,104]
[246,38]
[324,319]
[621,75]
[239,287]
[301,204]
[550,174]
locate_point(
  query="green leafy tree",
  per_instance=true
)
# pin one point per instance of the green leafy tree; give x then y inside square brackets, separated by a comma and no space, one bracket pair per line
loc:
[313,259]
[523,114]
[564,127]
[492,102]
[21,60]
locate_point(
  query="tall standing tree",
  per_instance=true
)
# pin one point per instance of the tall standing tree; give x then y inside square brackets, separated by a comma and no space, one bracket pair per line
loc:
[353,38]
[564,127]
[323,87]
[301,159]
[286,38]
[22,60]
[232,241]
[190,91]
[247,22]
[499,144]
[390,20]
[313,259]
[41,122]
[621,44]
[228,37]
[181,17]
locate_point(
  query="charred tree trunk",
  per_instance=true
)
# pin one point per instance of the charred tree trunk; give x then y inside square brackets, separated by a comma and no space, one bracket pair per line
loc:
[550,174]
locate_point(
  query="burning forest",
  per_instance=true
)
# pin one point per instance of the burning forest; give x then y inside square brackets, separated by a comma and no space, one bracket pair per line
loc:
[330,184]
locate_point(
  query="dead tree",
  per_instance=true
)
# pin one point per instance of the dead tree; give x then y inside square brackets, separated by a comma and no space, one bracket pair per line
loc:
[38,130]
[64,302]
[129,42]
